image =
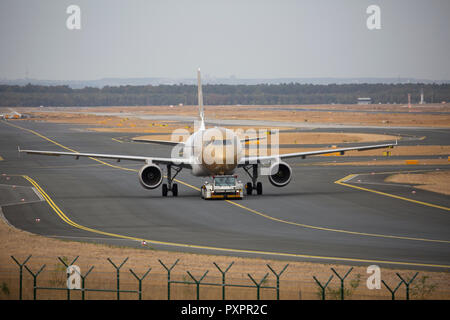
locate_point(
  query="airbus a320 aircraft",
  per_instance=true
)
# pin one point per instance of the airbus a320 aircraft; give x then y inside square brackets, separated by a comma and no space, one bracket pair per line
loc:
[210,152]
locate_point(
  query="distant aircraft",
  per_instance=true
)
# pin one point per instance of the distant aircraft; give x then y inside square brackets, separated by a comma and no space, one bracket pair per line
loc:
[210,152]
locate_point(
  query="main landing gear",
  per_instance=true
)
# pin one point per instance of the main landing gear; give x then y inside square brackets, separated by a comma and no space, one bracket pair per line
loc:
[170,186]
[254,185]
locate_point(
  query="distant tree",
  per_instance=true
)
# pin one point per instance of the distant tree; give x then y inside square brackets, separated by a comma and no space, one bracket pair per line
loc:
[285,93]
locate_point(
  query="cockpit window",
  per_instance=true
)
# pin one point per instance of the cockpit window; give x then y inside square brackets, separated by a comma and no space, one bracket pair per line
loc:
[222,142]
[219,142]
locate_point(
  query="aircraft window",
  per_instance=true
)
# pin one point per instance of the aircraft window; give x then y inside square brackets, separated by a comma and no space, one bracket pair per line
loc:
[218,143]
[222,142]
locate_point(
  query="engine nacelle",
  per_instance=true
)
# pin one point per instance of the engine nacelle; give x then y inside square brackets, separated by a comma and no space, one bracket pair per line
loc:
[280,174]
[150,176]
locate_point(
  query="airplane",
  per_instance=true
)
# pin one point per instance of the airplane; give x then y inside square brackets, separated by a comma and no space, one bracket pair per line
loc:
[210,152]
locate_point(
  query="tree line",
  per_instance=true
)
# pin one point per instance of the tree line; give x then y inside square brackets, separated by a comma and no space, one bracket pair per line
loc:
[218,94]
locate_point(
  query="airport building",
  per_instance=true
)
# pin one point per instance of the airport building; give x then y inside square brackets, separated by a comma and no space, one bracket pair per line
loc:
[364,100]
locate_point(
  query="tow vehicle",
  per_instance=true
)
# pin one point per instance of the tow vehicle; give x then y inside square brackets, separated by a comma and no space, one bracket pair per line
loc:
[223,187]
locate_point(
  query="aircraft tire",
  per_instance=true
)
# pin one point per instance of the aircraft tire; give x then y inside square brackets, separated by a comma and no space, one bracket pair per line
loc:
[175,190]
[249,188]
[259,189]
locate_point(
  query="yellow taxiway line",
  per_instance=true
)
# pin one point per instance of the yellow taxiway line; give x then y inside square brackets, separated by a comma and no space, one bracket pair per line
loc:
[343,183]
[116,140]
[67,148]
[336,230]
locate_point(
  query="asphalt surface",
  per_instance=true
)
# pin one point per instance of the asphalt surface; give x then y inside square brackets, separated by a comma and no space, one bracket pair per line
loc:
[311,219]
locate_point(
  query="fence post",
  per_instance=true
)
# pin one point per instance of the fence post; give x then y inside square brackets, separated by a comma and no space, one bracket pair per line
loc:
[21,273]
[323,287]
[197,282]
[82,281]
[35,279]
[258,285]
[68,275]
[118,274]
[277,275]
[168,275]
[392,291]
[407,283]
[342,280]
[223,277]
[140,280]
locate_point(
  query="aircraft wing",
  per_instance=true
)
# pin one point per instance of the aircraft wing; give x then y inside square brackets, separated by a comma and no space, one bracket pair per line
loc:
[175,161]
[259,159]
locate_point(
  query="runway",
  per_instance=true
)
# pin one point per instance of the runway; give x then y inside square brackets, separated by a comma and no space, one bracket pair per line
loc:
[318,217]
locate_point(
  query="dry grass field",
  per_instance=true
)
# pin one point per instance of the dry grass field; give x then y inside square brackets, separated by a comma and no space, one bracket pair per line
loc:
[437,181]
[399,115]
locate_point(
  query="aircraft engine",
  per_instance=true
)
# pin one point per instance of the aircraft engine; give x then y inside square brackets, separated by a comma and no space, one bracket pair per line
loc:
[150,176]
[280,174]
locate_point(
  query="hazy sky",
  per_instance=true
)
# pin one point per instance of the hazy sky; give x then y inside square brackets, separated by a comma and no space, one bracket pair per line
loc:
[244,38]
